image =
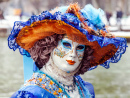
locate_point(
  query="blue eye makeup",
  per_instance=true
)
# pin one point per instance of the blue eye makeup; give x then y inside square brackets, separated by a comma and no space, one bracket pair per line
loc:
[66,44]
[80,47]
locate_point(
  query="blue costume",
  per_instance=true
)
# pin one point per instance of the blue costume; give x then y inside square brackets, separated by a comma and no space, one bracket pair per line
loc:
[86,23]
[43,86]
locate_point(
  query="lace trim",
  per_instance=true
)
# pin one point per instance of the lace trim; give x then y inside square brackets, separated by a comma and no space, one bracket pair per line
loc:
[116,57]
[73,21]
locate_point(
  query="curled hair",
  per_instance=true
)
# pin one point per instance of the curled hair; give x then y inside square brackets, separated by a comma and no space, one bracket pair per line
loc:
[85,63]
[41,50]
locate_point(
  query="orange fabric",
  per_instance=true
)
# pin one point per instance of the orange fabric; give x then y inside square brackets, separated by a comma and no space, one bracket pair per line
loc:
[75,9]
[102,54]
[41,29]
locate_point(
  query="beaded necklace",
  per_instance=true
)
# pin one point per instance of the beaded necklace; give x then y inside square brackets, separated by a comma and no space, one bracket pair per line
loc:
[69,88]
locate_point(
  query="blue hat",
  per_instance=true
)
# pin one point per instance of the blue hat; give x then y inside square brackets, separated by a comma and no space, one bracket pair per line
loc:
[81,25]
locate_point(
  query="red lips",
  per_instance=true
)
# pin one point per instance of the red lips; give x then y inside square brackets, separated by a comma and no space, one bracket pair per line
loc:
[70,62]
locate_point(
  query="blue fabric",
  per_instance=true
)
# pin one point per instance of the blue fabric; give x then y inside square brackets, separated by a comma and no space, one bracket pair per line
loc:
[40,74]
[94,16]
[23,94]
[87,87]
[72,20]
[90,87]
[28,67]
[32,91]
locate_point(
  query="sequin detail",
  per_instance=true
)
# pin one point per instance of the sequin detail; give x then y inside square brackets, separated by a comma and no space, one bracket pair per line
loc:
[59,53]
[46,83]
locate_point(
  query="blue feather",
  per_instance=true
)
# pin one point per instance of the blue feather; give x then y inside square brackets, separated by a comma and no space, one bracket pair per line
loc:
[93,15]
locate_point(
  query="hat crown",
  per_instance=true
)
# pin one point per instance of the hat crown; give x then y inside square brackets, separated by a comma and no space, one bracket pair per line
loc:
[86,23]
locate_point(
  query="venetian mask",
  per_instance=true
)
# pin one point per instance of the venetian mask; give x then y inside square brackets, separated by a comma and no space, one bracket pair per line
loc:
[68,55]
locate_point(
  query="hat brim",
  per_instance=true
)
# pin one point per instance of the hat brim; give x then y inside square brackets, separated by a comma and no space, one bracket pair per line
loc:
[28,35]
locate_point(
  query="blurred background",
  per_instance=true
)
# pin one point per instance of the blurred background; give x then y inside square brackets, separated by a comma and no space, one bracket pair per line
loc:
[108,83]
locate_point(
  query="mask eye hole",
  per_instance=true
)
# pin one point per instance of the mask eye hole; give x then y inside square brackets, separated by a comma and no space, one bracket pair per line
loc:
[80,48]
[66,44]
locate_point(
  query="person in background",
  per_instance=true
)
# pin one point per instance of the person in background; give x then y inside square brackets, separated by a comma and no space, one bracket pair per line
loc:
[1,14]
[119,15]
[108,15]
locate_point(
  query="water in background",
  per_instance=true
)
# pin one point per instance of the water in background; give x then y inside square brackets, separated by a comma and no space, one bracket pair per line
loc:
[108,83]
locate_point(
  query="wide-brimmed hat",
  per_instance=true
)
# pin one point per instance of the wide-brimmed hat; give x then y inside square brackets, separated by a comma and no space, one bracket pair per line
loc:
[84,26]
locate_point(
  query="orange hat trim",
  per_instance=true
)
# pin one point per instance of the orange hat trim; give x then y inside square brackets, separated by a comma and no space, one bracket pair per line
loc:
[41,29]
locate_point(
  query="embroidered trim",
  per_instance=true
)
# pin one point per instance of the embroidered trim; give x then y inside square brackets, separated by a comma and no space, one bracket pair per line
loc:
[48,84]
[52,86]
[79,88]
[87,93]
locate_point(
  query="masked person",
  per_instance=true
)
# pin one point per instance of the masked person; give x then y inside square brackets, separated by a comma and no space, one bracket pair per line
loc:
[64,43]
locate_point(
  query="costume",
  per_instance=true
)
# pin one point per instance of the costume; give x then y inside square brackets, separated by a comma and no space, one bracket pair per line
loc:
[46,87]
[83,28]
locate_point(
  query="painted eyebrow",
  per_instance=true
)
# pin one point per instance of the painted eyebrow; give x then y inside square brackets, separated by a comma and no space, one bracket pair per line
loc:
[65,41]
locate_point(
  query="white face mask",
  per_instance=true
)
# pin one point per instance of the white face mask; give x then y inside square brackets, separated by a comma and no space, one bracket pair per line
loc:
[68,55]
